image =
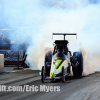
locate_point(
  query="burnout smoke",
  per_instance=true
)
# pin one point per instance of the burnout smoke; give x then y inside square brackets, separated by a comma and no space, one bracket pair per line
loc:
[74,16]
[34,21]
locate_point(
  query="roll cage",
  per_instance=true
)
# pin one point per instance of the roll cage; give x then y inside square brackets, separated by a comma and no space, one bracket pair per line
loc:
[61,45]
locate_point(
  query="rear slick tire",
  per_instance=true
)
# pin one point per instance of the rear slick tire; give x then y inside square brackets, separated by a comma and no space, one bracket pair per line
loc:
[77,71]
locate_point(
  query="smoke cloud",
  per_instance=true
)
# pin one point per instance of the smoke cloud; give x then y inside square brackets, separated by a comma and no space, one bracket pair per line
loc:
[33,22]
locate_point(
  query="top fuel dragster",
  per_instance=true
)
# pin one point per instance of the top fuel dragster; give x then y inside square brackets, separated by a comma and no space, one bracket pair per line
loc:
[58,63]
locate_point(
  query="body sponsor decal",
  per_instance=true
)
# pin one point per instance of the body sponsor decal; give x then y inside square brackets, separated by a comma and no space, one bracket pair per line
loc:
[11,56]
[56,65]
[61,63]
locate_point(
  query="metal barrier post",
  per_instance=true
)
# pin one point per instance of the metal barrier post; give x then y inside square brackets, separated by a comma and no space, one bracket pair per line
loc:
[18,63]
[18,59]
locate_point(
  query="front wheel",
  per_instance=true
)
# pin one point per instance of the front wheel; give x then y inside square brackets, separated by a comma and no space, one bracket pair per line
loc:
[42,74]
[63,74]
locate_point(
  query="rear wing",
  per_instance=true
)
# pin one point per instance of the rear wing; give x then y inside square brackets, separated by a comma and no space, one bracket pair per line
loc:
[64,34]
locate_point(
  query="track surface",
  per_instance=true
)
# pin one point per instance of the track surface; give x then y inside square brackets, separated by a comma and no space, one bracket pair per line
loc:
[86,88]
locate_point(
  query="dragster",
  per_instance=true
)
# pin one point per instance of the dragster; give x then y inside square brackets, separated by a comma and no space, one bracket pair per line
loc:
[57,64]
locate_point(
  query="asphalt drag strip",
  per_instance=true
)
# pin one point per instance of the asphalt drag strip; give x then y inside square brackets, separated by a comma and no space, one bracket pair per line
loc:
[85,88]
